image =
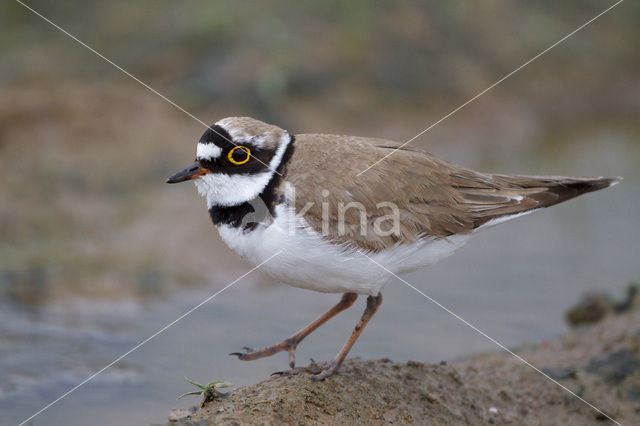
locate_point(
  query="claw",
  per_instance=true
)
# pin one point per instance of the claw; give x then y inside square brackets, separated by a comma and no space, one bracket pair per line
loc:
[246,349]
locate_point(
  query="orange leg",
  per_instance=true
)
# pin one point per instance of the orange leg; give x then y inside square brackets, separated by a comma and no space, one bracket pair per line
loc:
[292,342]
[373,303]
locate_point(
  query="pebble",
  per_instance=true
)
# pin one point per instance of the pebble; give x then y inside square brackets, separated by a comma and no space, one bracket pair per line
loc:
[178,414]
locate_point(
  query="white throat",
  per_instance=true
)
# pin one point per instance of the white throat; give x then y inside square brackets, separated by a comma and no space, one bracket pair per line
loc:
[230,190]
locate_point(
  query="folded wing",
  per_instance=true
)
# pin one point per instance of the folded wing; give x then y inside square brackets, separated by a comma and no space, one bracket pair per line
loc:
[433,198]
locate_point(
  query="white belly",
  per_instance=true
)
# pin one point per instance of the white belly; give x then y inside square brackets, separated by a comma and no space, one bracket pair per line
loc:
[309,261]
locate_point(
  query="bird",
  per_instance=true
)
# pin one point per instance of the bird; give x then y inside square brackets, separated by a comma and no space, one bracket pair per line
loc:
[335,208]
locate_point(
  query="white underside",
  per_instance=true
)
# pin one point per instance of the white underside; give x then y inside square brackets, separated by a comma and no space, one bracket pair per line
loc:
[310,261]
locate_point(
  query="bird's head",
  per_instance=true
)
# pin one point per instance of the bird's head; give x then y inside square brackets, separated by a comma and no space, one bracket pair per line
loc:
[235,160]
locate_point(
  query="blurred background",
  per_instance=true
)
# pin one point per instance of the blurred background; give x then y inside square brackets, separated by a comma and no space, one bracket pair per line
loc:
[97,253]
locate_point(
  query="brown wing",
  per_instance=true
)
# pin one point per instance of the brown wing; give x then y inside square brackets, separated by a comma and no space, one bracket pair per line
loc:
[433,198]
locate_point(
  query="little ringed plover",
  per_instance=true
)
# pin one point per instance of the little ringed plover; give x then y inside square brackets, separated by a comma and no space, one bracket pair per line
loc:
[269,191]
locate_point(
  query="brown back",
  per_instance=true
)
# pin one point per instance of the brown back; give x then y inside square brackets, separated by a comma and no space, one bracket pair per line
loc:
[435,198]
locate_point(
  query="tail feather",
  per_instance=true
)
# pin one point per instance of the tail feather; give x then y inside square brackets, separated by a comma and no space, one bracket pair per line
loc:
[517,195]
[556,189]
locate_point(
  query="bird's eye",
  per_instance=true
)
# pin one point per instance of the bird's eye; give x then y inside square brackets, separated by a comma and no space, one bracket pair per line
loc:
[239,155]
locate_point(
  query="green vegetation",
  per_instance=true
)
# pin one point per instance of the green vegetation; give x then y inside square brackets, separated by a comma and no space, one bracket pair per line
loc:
[208,391]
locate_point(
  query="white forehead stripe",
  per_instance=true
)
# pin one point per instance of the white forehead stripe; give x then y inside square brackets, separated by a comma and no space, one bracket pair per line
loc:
[208,151]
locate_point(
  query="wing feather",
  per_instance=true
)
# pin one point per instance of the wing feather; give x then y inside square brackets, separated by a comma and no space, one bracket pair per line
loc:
[434,198]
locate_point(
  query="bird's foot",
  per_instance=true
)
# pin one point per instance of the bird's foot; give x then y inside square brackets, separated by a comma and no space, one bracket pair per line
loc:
[312,368]
[246,355]
[293,372]
[250,354]
[329,371]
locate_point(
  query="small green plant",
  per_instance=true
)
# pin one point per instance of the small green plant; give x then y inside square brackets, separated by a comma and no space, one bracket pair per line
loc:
[208,391]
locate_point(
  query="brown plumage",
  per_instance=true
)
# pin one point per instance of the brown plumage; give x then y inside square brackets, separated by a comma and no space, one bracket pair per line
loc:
[435,198]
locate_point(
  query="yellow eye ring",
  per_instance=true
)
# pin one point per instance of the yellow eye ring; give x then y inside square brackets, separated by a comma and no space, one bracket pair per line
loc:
[230,155]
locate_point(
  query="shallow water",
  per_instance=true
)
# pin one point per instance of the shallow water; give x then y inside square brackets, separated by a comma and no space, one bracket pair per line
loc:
[514,282]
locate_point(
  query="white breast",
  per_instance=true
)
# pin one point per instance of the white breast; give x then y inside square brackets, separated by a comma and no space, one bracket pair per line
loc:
[309,261]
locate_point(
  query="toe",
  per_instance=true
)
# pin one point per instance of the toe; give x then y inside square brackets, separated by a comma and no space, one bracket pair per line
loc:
[330,371]
[319,377]
[292,372]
